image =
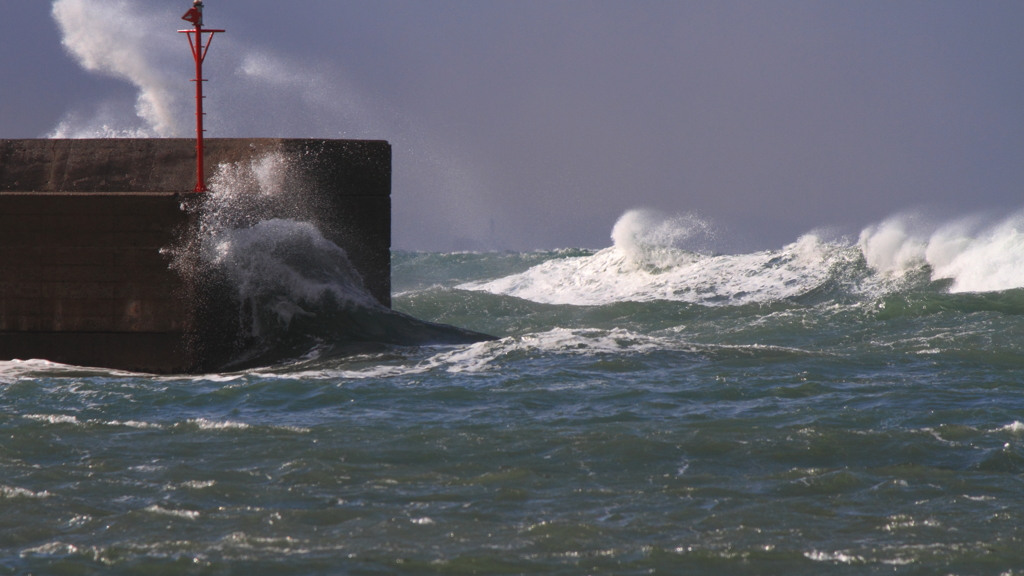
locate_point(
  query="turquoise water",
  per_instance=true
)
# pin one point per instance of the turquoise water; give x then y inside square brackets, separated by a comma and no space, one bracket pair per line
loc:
[809,410]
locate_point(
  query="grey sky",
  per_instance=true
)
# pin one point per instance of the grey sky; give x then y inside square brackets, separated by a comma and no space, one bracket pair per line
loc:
[551,118]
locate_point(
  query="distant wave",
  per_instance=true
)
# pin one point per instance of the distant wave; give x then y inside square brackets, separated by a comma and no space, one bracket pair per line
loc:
[647,263]
[977,256]
[658,257]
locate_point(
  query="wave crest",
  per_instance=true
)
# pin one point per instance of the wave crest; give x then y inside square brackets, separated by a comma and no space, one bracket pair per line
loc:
[654,240]
[294,292]
[646,263]
[976,256]
[658,257]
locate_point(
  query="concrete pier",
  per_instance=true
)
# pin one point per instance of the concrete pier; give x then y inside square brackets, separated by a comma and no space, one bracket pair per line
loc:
[82,224]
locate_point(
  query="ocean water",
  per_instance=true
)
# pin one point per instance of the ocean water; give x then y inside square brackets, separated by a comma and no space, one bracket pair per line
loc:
[833,406]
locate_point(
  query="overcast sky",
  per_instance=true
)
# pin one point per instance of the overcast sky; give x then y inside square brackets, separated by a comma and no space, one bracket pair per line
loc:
[535,124]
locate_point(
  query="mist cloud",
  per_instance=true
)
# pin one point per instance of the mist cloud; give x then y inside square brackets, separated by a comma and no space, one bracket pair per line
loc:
[112,37]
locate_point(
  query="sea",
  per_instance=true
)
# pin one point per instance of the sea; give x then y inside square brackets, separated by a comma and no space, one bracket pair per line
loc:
[837,405]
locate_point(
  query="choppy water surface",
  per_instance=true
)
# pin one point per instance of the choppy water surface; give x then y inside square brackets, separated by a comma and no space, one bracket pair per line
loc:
[828,407]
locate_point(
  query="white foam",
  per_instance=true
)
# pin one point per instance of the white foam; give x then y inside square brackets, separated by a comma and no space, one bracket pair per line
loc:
[186,514]
[563,341]
[205,424]
[977,256]
[893,246]
[295,429]
[15,492]
[288,262]
[655,257]
[134,424]
[657,240]
[485,356]
[377,371]
[54,418]
[645,264]
[52,549]
[838,556]
[147,468]
[482,356]
[12,371]
[1016,427]
[280,268]
[68,419]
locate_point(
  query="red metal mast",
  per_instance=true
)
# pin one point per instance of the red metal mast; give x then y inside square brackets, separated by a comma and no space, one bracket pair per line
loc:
[199,50]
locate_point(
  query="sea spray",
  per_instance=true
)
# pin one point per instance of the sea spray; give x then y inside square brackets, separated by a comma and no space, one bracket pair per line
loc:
[115,38]
[893,246]
[645,263]
[280,265]
[248,245]
[268,286]
[254,88]
[974,254]
[654,240]
[657,257]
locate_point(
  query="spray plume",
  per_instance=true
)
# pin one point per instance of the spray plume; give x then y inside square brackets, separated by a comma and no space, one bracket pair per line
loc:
[113,38]
[978,256]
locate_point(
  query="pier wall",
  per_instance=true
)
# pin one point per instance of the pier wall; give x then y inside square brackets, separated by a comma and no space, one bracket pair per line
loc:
[83,223]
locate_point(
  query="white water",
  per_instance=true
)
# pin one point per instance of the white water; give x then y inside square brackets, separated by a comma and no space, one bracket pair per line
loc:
[278,267]
[646,262]
[489,355]
[977,256]
[288,267]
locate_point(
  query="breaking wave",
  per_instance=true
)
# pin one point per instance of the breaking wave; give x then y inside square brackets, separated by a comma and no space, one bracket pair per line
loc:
[658,257]
[648,261]
[296,293]
[976,256]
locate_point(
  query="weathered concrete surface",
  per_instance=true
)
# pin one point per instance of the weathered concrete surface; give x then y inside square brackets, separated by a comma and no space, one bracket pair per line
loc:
[348,167]
[82,224]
